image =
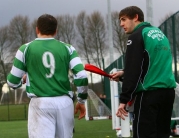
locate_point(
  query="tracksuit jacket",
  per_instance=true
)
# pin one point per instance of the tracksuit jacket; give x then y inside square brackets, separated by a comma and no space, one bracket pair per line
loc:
[148,62]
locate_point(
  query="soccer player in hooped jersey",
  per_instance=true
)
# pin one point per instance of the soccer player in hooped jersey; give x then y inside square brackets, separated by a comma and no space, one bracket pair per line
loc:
[46,63]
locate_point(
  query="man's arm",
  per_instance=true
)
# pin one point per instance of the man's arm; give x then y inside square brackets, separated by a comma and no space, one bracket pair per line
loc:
[80,81]
[133,67]
[79,75]
[14,78]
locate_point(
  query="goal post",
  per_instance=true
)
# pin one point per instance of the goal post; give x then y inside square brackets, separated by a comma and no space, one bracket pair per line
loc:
[95,108]
[117,123]
[114,102]
[175,115]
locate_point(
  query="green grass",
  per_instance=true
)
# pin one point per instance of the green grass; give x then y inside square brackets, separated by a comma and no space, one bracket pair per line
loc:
[83,129]
[18,129]
[94,129]
[13,129]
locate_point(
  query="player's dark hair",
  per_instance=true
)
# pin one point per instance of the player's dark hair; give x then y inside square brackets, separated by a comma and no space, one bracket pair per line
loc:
[47,24]
[131,12]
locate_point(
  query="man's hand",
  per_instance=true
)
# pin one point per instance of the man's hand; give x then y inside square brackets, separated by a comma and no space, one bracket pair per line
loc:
[121,112]
[116,75]
[81,108]
[24,79]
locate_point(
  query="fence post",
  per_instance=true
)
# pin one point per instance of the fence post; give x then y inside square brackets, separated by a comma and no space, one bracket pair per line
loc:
[25,111]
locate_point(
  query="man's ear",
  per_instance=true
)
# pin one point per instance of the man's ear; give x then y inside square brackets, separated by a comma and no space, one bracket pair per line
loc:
[37,30]
[136,18]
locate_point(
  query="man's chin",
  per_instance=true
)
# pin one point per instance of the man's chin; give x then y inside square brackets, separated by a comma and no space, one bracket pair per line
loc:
[127,32]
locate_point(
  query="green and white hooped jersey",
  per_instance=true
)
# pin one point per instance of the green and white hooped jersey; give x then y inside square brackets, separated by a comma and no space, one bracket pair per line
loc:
[47,61]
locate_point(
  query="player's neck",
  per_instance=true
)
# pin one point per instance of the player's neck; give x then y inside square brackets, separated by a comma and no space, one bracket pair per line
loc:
[44,36]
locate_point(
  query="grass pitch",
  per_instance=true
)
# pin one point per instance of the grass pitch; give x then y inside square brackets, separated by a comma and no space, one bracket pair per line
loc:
[18,129]
[83,129]
[11,125]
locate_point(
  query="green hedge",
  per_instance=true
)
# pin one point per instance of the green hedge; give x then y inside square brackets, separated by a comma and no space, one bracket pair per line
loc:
[13,112]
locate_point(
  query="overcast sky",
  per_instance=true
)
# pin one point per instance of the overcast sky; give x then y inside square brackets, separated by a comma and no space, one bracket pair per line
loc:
[34,8]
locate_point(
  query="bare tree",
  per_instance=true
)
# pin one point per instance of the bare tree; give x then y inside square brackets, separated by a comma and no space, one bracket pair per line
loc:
[4,43]
[81,24]
[59,27]
[4,54]
[19,31]
[66,29]
[82,39]
[96,37]
[119,36]
[33,25]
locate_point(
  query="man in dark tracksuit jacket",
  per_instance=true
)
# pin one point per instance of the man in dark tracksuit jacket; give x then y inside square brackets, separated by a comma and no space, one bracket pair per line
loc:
[147,76]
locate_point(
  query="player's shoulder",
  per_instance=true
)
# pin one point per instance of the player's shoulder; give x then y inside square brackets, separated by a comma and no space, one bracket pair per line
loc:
[24,46]
[65,44]
[70,48]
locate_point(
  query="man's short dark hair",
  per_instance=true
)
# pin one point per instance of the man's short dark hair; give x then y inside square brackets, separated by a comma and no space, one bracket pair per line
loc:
[131,12]
[47,24]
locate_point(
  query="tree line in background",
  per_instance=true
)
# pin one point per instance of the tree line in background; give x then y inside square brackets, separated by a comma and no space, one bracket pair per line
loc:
[87,33]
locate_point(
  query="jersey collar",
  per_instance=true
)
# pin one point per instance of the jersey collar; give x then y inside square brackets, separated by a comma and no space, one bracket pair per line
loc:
[44,38]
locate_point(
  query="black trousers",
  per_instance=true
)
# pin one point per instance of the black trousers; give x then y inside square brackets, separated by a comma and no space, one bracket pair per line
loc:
[152,113]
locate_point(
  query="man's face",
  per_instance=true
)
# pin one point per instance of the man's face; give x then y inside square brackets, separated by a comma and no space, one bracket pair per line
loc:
[127,24]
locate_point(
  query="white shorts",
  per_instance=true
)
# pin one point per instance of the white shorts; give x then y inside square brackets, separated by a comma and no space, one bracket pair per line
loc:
[51,117]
